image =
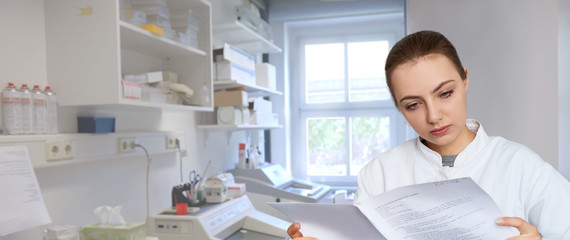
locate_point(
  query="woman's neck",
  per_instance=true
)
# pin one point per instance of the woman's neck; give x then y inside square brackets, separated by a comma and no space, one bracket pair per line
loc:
[461,142]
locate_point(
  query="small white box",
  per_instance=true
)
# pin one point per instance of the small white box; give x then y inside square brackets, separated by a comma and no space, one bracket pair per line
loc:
[265,76]
[236,190]
[263,118]
[260,105]
[233,115]
[230,71]
[131,90]
[234,55]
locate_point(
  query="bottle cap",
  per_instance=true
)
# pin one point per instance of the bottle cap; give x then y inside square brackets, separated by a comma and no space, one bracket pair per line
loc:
[24,85]
[36,86]
[48,88]
[10,84]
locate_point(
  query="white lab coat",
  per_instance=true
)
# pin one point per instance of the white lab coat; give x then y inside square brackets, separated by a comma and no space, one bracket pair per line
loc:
[519,181]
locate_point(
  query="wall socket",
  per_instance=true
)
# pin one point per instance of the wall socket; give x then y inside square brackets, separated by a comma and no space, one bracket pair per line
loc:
[126,145]
[58,150]
[171,141]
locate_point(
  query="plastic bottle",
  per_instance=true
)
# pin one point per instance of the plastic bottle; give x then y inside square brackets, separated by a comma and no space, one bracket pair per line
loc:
[12,109]
[27,110]
[39,110]
[51,110]
[242,164]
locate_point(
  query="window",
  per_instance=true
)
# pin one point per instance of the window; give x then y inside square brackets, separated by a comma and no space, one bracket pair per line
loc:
[345,114]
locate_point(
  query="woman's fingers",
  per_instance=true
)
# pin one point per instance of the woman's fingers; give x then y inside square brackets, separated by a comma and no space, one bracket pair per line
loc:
[293,230]
[295,234]
[526,229]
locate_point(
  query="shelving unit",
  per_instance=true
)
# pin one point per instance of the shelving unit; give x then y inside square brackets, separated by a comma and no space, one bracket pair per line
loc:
[244,38]
[87,54]
[251,89]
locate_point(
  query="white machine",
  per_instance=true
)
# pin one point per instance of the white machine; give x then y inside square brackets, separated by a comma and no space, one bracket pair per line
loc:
[270,183]
[232,220]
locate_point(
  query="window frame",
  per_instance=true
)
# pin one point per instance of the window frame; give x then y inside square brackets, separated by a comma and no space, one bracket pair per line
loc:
[388,26]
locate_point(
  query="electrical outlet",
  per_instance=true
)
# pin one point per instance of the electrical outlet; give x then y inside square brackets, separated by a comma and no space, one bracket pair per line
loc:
[58,150]
[171,141]
[126,145]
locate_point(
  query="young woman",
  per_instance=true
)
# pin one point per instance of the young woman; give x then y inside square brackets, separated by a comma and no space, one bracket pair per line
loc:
[429,86]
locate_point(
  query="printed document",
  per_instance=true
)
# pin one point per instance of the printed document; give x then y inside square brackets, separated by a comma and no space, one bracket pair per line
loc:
[21,202]
[453,209]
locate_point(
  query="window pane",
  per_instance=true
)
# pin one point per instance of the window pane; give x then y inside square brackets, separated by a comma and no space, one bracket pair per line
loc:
[326,155]
[366,71]
[370,137]
[324,73]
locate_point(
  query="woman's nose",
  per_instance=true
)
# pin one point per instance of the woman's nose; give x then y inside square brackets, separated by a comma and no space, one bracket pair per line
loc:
[433,114]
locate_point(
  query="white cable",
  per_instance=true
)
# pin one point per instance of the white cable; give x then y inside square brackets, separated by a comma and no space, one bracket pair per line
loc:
[147,174]
[179,159]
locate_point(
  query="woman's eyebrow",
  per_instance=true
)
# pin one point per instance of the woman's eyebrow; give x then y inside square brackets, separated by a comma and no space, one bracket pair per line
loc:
[441,85]
[433,91]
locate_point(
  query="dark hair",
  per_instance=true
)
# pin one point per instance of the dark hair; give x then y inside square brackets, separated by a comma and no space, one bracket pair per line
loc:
[417,45]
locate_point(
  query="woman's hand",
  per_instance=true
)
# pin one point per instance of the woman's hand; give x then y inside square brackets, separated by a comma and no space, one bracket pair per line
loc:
[295,234]
[527,230]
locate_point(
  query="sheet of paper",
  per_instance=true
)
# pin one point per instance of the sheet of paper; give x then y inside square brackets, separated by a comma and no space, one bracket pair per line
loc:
[21,202]
[454,209]
[329,221]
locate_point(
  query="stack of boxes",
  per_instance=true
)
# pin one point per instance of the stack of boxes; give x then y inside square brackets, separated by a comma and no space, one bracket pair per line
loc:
[234,107]
[154,16]
[185,23]
[234,64]
[261,112]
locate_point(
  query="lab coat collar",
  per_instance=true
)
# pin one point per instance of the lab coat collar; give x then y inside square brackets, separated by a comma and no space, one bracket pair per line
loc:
[468,154]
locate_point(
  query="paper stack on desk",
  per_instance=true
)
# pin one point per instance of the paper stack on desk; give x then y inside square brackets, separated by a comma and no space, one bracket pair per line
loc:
[452,209]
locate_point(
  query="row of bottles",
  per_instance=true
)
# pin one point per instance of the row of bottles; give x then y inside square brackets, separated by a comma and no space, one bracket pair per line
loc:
[29,111]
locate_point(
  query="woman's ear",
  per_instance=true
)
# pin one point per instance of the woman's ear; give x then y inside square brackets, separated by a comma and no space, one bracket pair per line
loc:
[466,80]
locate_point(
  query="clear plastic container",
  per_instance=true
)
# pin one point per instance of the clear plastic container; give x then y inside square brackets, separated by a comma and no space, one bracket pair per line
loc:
[170,33]
[184,19]
[188,31]
[158,20]
[188,40]
[133,16]
[153,9]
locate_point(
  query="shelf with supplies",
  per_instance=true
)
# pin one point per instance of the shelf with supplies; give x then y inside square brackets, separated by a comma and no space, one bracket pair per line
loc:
[88,53]
[238,127]
[239,35]
[253,90]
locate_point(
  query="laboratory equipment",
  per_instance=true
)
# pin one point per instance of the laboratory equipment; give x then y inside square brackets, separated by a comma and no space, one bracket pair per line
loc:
[216,187]
[230,220]
[270,183]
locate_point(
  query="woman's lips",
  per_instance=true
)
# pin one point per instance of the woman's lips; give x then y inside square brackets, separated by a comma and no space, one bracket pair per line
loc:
[440,131]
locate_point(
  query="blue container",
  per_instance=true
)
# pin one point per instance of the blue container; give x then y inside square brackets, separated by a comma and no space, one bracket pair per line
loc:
[95,124]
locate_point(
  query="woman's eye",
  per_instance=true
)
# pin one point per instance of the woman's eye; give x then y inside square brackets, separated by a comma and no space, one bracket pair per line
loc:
[446,94]
[412,106]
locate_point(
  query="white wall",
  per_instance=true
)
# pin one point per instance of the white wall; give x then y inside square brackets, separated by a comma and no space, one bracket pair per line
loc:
[510,49]
[72,192]
[564,87]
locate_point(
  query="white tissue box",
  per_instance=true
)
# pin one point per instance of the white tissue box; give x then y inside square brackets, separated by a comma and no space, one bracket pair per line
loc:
[129,231]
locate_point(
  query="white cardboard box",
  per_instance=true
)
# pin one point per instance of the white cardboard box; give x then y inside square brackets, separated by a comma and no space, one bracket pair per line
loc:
[263,118]
[265,76]
[226,70]
[260,105]
[234,55]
